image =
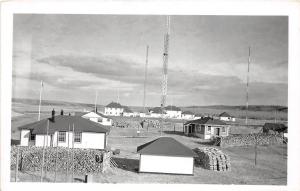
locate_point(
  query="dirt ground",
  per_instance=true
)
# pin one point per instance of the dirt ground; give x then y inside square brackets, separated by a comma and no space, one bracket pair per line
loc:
[271,168]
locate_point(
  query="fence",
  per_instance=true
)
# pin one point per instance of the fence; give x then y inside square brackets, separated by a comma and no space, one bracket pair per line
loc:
[250,139]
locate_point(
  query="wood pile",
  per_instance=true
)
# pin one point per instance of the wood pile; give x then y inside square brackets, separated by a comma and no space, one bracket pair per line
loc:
[212,159]
[60,159]
[150,123]
[251,139]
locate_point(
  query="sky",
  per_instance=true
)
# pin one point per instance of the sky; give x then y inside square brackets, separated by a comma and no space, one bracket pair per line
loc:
[78,55]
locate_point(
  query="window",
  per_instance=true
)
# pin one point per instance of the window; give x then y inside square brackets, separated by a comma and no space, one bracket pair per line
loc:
[32,136]
[209,128]
[77,137]
[223,129]
[62,136]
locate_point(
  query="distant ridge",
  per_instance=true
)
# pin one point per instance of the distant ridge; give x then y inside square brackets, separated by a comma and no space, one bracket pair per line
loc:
[49,102]
[240,107]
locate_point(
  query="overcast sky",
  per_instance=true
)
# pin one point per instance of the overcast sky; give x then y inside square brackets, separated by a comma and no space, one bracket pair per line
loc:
[77,55]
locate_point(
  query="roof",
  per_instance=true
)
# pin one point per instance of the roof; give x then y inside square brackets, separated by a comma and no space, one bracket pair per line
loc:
[172,108]
[198,115]
[127,109]
[165,146]
[275,127]
[114,105]
[62,122]
[156,110]
[188,113]
[100,115]
[224,114]
[207,120]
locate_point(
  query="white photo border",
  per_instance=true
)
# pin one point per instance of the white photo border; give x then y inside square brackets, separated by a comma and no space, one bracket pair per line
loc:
[267,8]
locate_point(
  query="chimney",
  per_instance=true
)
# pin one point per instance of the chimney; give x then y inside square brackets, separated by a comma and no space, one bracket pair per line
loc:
[62,112]
[53,115]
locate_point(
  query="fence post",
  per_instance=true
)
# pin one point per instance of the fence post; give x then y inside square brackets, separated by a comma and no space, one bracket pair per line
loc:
[17,164]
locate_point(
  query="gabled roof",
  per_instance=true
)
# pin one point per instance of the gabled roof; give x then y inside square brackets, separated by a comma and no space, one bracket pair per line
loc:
[279,127]
[97,114]
[224,114]
[206,120]
[165,146]
[62,122]
[127,109]
[101,114]
[187,113]
[114,105]
[172,108]
[156,110]
[198,115]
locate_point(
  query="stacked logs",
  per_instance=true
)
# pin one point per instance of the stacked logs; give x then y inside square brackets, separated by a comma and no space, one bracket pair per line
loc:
[129,123]
[251,139]
[60,159]
[150,123]
[212,159]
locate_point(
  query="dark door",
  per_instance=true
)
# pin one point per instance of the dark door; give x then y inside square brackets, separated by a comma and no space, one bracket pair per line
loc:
[218,131]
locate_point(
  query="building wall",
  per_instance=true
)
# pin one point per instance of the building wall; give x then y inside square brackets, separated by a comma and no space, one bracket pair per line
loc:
[42,140]
[24,137]
[113,111]
[173,114]
[88,140]
[128,114]
[187,116]
[155,115]
[203,133]
[166,164]
[227,118]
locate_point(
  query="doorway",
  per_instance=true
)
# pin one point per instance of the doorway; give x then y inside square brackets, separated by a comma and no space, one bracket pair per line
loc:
[217,131]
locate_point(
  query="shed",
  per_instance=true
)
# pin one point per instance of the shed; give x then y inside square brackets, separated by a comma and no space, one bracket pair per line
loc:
[166,155]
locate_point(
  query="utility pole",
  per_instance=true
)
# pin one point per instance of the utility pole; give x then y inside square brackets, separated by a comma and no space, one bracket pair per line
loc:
[145,80]
[96,101]
[165,70]
[247,88]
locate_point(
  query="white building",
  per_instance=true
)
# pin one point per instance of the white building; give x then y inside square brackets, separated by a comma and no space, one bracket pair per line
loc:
[113,109]
[226,117]
[187,115]
[206,128]
[173,112]
[64,131]
[166,155]
[96,117]
[127,112]
[156,112]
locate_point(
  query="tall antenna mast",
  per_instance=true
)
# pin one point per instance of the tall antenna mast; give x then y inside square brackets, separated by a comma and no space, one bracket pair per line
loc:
[145,81]
[247,96]
[164,84]
[41,91]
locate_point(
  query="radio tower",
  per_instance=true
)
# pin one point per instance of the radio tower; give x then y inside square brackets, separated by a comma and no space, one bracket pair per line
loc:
[164,84]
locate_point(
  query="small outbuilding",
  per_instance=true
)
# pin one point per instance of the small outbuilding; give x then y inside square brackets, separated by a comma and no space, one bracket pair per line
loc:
[187,115]
[226,117]
[166,155]
[206,128]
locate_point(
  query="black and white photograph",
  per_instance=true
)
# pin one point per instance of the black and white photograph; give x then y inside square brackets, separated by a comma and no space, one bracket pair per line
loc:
[149,99]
